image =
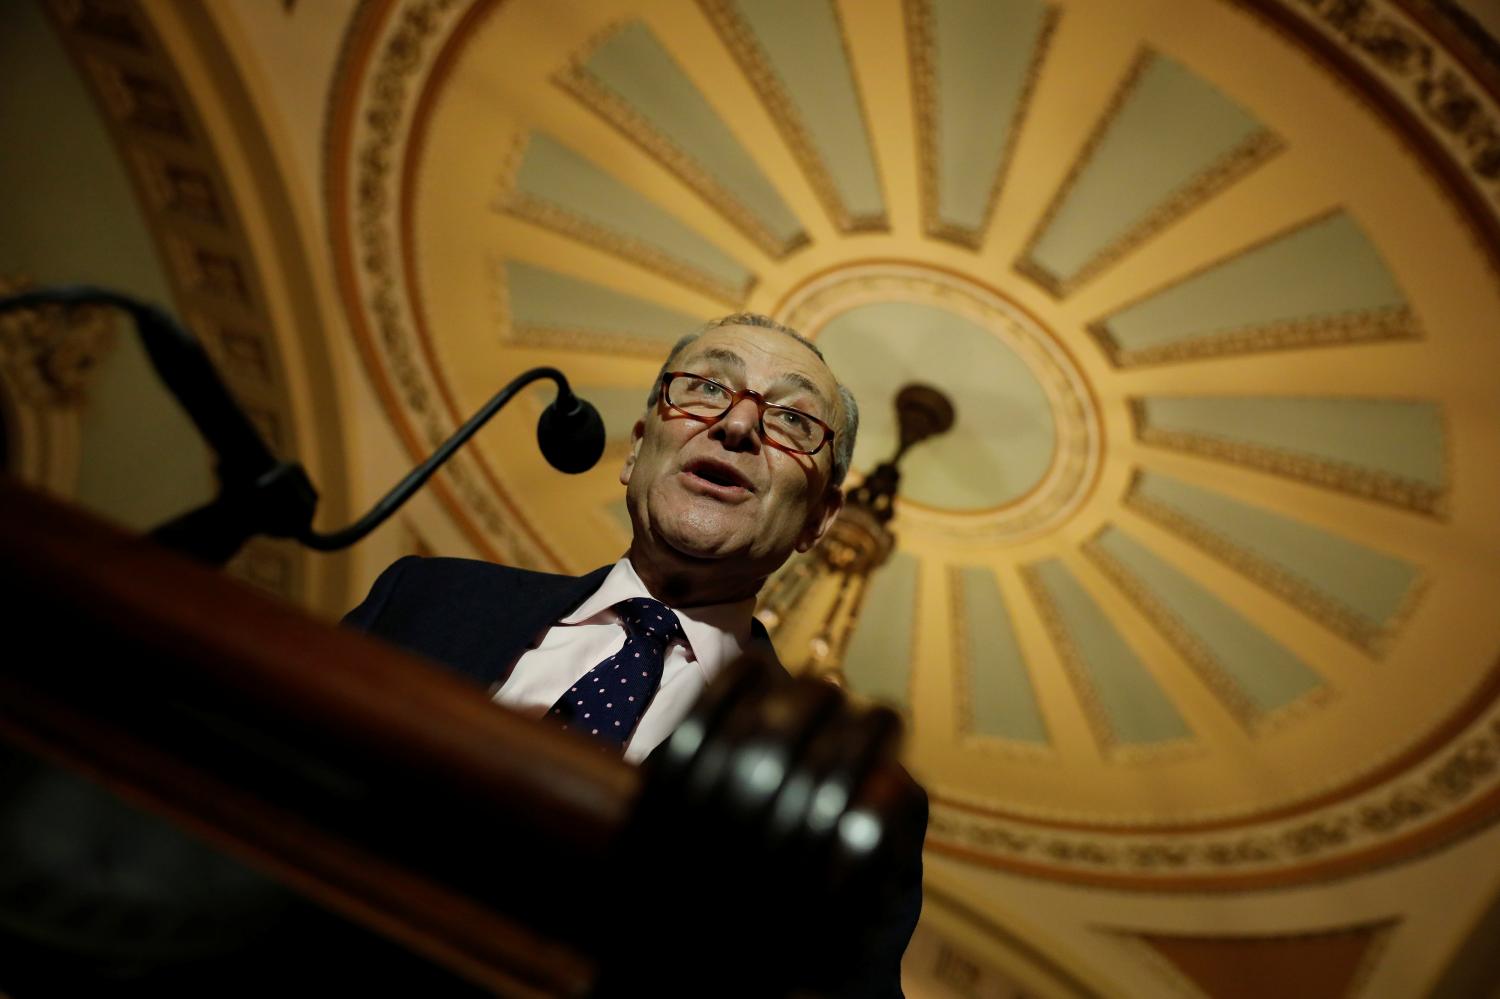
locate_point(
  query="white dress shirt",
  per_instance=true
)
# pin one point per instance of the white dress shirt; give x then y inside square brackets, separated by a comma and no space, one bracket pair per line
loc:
[716,634]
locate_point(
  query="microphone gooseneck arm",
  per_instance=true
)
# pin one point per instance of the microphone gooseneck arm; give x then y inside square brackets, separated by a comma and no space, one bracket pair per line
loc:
[401,492]
[261,494]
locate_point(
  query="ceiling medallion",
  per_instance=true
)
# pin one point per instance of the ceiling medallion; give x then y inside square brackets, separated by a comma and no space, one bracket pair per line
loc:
[1062,401]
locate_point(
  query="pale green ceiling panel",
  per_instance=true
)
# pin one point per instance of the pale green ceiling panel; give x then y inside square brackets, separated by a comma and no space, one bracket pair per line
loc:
[803,43]
[878,662]
[1252,672]
[1395,437]
[985,50]
[1004,435]
[638,69]
[1002,702]
[1352,580]
[1324,270]
[556,176]
[1172,133]
[545,301]
[1117,690]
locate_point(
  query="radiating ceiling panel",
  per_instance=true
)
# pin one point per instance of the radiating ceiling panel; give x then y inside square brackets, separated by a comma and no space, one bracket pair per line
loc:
[632,80]
[1322,283]
[1124,704]
[795,55]
[1252,674]
[974,63]
[1000,700]
[877,663]
[557,188]
[1385,449]
[549,309]
[1168,141]
[1358,592]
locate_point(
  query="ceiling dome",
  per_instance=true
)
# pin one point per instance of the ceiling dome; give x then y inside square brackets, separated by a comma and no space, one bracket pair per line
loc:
[1203,570]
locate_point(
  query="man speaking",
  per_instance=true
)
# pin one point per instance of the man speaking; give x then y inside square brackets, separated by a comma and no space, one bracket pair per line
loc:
[735,464]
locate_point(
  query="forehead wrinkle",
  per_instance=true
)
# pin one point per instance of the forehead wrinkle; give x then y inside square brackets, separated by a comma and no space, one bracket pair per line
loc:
[722,355]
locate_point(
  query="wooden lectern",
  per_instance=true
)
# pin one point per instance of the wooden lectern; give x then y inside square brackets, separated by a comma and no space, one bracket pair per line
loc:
[386,789]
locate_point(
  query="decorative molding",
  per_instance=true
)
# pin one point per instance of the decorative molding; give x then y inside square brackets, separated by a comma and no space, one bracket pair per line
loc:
[1199,658]
[185,201]
[1356,326]
[1342,620]
[598,97]
[1078,451]
[1453,790]
[1344,477]
[1397,322]
[1427,78]
[552,216]
[756,65]
[375,118]
[1250,153]
[49,353]
[922,55]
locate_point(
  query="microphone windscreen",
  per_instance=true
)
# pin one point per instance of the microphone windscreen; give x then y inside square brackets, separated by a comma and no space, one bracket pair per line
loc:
[570,434]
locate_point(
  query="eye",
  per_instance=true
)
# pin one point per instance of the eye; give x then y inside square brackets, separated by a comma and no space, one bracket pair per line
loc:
[792,418]
[702,387]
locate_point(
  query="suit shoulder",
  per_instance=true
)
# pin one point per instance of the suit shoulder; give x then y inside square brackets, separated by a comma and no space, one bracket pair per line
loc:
[446,572]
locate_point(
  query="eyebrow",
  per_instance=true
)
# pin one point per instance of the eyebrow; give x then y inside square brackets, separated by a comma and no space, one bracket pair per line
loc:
[737,362]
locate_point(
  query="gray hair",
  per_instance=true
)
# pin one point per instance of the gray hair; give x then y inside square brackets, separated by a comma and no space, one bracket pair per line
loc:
[843,441]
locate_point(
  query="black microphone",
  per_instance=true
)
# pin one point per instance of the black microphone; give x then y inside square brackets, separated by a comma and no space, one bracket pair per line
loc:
[260,494]
[570,433]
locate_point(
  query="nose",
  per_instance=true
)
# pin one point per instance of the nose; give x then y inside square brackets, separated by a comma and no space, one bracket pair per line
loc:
[739,429]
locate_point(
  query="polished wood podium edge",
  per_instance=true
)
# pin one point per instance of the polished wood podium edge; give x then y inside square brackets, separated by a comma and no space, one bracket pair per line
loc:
[363,691]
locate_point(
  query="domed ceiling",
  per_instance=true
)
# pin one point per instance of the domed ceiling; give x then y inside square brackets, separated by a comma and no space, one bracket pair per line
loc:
[1195,599]
[1198,590]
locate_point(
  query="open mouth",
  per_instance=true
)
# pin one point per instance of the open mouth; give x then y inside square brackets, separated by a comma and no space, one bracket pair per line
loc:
[718,474]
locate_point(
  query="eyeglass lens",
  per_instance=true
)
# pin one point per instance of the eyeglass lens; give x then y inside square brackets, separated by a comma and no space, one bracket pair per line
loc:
[701,397]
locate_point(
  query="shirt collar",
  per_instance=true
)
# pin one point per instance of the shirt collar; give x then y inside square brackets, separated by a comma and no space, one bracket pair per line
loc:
[716,633]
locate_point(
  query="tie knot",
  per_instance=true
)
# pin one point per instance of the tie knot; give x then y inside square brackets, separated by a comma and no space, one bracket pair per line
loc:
[647,618]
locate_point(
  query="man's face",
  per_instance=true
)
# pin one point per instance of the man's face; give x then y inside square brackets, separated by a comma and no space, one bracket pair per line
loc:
[718,490]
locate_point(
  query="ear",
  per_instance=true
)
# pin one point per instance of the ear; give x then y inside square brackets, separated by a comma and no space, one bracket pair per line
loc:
[637,434]
[820,520]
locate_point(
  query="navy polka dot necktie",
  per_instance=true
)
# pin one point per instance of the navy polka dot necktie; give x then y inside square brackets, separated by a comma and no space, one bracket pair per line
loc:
[610,699]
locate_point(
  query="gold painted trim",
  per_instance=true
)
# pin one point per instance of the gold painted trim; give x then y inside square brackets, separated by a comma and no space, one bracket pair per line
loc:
[1443,793]
[1080,443]
[1197,655]
[922,57]
[1342,620]
[548,337]
[1232,165]
[743,44]
[551,216]
[963,684]
[1344,477]
[370,110]
[1088,697]
[1395,322]
[181,188]
[597,96]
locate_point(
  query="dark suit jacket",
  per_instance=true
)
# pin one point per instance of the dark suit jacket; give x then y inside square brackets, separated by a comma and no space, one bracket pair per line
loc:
[478,618]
